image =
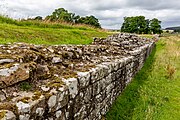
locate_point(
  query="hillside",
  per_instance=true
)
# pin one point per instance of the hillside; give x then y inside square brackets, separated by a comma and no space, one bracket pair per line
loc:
[174,28]
[46,33]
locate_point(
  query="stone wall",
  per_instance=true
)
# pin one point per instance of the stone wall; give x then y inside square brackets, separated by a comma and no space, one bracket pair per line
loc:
[39,82]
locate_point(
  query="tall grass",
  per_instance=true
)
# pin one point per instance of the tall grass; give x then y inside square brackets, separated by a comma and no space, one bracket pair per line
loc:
[154,93]
[45,24]
[44,32]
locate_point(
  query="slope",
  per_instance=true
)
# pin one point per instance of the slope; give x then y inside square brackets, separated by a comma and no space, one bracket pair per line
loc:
[37,32]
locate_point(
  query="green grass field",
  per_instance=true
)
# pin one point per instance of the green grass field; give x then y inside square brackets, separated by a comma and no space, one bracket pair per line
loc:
[154,93]
[46,33]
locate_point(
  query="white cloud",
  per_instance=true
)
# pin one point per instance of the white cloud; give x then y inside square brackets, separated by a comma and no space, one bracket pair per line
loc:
[109,12]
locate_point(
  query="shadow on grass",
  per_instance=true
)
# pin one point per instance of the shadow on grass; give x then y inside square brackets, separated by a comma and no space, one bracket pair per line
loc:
[123,107]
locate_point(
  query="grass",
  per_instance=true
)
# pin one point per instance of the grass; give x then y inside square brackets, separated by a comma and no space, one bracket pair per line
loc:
[37,32]
[44,24]
[154,93]
[146,35]
[25,86]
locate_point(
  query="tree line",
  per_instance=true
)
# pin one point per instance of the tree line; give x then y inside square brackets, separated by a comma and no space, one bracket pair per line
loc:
[176,29]
[139,25]
[63,15]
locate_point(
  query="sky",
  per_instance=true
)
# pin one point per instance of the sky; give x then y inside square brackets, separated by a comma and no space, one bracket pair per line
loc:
[109,12]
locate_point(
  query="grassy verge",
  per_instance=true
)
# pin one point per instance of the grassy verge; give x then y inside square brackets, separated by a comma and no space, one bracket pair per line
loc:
[154,93]
[46,33]
[146,35]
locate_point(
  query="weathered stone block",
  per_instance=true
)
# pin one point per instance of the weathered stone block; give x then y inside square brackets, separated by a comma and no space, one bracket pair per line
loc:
[2,61]
[14,74]
[24,117]
[52,102]
[23,107]
[72,84]
[7,115]
[62,99]
[96,74]
[84,79]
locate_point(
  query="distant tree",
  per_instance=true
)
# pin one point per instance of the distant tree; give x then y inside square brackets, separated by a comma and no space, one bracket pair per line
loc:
[139,24]
[61,14]
[177,30]
[155,26]
[134,24]
[94,21]
[167,31]
[90,20]
[76,19]
[126,25]
[147,29]
[142,24]
[38,18]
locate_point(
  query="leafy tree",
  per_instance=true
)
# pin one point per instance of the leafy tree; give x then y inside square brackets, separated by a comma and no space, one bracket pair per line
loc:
[90,20]
[155,26]
[76,19]
[61,14]
[38,18]
[126,26]
[139,24]
[134,24]
[147,29]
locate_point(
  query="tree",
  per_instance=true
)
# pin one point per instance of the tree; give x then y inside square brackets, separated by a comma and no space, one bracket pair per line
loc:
[61,14]
[142,24]
[139,24]
[126,25]
[155,26]
[38,18]
[134,24]
[76,19]
[90,20]
[147,29]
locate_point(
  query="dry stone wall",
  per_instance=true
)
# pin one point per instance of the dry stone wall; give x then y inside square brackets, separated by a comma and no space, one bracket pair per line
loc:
[39,82]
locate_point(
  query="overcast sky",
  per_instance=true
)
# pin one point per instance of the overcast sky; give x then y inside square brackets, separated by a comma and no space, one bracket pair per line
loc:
[109,12]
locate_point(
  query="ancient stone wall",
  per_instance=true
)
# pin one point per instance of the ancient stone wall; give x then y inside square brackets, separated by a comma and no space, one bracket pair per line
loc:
[39,82]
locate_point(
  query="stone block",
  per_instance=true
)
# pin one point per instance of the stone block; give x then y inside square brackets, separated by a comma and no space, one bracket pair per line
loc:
[62,99]
[72,84]
[14,74]
[83,79]
[7,115]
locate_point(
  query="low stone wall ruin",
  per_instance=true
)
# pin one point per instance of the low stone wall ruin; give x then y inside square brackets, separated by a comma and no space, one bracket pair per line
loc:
[74,82]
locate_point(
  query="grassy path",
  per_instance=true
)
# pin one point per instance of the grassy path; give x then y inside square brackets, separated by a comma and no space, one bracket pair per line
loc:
[154,94]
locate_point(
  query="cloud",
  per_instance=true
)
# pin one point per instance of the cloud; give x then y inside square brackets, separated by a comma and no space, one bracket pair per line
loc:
[107,5]
[109,12]
[154,5]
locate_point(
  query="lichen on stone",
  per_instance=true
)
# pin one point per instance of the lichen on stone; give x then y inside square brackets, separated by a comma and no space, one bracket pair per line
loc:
[2,114]
[9,106]
[25,99]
